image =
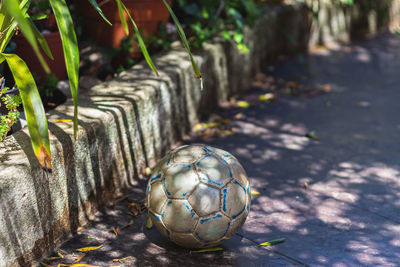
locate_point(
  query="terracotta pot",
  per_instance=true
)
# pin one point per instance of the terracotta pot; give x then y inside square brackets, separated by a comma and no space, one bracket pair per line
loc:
[146,13]
[57,66]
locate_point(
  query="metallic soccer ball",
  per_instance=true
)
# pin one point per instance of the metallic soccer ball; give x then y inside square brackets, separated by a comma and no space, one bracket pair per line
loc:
[198,196]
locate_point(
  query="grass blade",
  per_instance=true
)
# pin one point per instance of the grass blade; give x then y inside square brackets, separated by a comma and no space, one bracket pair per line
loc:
[122,16]
[33,107]
[206,250]
[142,46]
[13,7]
[184,40]
[70,48]
[96,6]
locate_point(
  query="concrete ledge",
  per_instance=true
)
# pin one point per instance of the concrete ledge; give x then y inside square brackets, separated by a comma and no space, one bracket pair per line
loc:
[333,20]
[125,125]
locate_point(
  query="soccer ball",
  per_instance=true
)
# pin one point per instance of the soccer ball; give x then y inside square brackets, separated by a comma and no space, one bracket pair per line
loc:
[198,196]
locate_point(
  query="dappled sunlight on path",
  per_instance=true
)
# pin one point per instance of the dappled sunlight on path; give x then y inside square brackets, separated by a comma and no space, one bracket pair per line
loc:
[336,199]
[325,168]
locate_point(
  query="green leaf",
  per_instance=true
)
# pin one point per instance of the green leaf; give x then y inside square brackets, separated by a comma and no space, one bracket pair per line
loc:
[39,16]
[121,15]
[272,242]
[33,107]
[207,250]
[13,7]
[142,46]
[8,23]
[149,223]
[71,51]
[96,6]
[184,40]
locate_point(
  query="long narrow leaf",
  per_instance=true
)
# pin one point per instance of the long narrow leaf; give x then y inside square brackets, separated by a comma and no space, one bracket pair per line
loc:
[71,52]
[33,107]
[272,242]
[184,40]
[96,6]
[8,24]
[142,46]
[24,25]
[122,17]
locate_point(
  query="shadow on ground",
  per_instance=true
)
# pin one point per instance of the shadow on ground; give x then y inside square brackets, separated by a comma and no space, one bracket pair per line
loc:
[335,200]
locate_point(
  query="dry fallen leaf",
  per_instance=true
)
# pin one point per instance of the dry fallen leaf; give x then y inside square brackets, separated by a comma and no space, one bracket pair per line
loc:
[305,185]
[239,116]
[82,227]
[63,120]
[127,225]
[122,259]
[225,122]
[319,47]
[44,264]
[79,258]
[116,231]
[254,192]
[266,97]
[243,104]
[135,209]
[324,88]
[88,248]
[59,256]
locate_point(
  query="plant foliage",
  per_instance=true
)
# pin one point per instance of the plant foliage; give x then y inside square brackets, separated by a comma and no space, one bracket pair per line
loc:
[14,15]
[207,19]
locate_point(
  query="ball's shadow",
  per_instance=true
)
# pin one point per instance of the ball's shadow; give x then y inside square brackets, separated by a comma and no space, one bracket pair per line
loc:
[154,236]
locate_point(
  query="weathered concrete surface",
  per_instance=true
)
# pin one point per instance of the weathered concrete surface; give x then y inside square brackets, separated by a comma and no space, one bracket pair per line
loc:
[125,124]
[348,215]
[334,20]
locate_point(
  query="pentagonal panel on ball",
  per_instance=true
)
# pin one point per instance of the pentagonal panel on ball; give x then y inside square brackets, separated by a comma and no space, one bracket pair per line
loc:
[234,199]
[238,172]
[205,199]
[180,180]
[178,216]
[214,170]
[186,240]
[212,228]
[156,197]
[188,154]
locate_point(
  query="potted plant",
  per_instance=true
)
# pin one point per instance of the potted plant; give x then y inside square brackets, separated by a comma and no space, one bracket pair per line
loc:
[148,14]
[45,22]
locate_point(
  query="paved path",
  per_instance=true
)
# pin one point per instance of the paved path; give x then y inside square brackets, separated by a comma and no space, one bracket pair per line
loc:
[336,200]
